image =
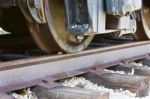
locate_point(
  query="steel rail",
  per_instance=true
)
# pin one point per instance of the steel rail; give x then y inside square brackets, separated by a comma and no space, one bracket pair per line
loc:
[28,70]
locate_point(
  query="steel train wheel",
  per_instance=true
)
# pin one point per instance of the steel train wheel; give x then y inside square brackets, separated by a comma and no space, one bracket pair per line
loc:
[52,36]
[143,25]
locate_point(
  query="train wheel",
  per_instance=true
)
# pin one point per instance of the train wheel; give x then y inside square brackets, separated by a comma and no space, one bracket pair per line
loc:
[52,35]
[143,24]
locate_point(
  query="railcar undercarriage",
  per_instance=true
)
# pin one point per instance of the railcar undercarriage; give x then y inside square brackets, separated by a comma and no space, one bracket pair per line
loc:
[70,25]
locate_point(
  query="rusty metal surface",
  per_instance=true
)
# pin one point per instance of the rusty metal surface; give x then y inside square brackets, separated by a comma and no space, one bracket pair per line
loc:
[47,82]
[28,70]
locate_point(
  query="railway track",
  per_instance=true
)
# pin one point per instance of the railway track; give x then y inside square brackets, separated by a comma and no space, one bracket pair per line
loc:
[43,72]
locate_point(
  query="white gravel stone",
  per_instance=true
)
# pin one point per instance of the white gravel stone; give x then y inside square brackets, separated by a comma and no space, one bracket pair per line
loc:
[28,95]
[121,72]
[138,64]
[114,94]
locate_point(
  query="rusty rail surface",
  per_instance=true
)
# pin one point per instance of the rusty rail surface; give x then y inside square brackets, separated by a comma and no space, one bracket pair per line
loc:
[29,72]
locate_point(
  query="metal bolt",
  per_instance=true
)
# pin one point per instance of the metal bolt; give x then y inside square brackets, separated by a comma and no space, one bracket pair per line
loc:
[80,38]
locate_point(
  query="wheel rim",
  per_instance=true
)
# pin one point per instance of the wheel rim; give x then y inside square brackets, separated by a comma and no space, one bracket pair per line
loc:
[143,26]
[52,36]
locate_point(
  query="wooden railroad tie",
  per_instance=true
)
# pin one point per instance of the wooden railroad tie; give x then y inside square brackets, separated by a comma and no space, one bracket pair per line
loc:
[134,83]
[69,93]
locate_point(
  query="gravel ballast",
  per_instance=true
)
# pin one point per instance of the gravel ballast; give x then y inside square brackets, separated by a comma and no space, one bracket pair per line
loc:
[27,95]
